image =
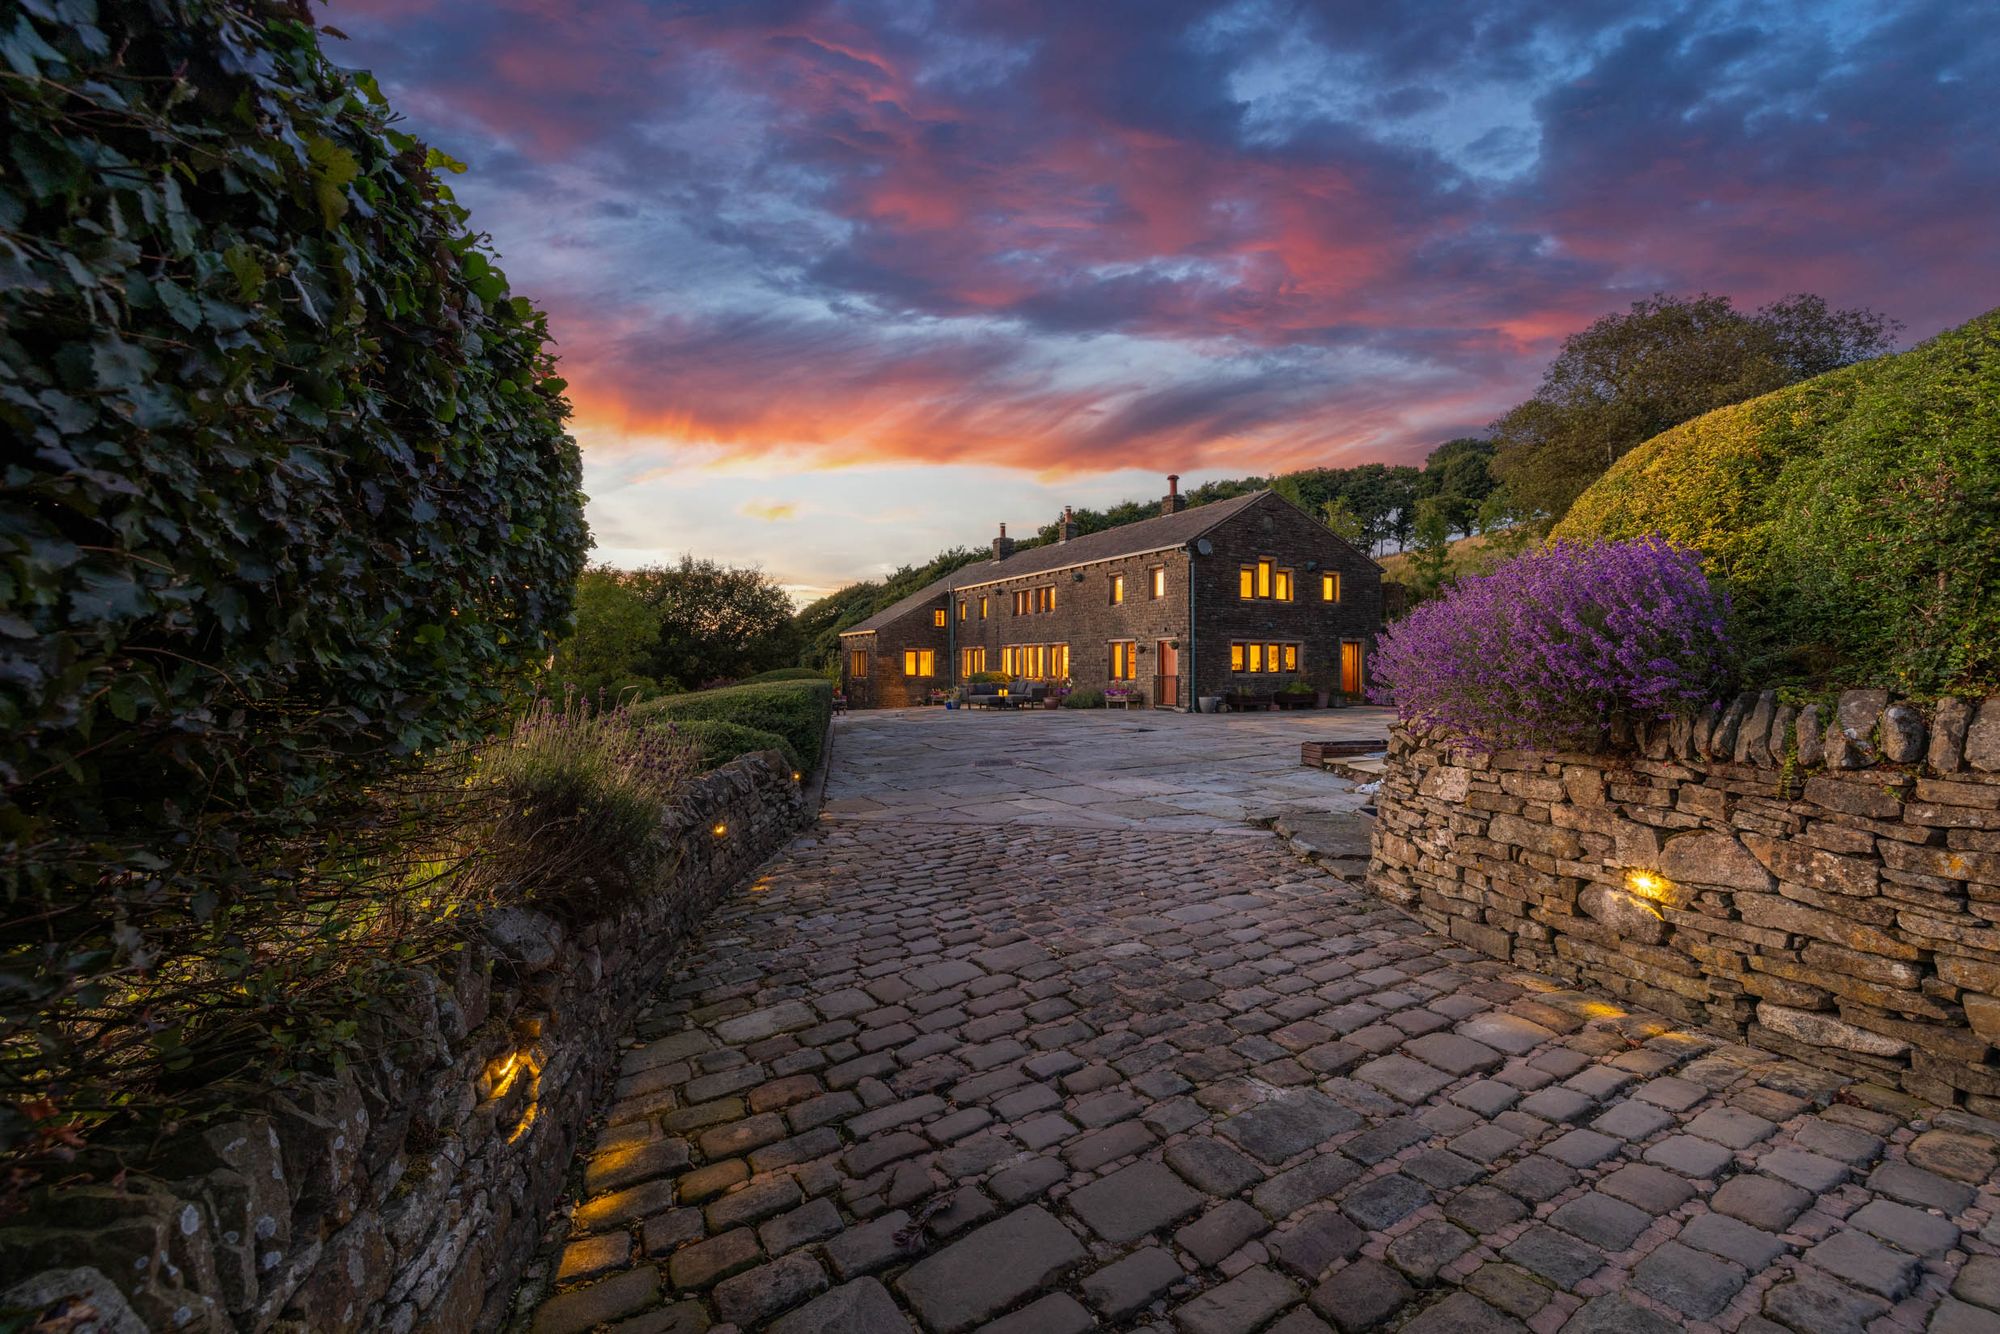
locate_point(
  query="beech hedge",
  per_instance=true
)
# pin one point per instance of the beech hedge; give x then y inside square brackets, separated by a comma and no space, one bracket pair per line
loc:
[288,498]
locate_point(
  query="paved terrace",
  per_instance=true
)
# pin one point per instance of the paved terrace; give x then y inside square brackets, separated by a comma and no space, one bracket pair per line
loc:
[1012,1041]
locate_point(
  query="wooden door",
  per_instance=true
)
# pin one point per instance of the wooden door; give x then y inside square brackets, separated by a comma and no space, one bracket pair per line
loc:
[1350,666]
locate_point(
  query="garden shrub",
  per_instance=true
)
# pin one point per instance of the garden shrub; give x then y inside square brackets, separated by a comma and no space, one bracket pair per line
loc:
[798,711]
[1083,699]
[1550,648]
[1850,517]
[581,795]
[785,674]
[716,743]
[291,502]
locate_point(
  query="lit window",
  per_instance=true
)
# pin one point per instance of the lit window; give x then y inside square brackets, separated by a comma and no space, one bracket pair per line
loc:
[974,660]
[961,609]
[1283,588]
[1020,602]
[1329,588]
[1291,657]
[857,664]
[982,609]
[919,662]
[1256,657]
[1059,662]
[1158,577]
[937,618]
[1007,661]
[1124,661]
[1037,659]
[1246,582]
[1264,568]
[1236,657]
[1117,589]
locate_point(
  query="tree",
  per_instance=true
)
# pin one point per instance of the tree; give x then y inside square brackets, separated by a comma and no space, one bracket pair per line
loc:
[615,642]
[1339,516]
[716,622]
[1630,376]
[1432,562]
[1459,474]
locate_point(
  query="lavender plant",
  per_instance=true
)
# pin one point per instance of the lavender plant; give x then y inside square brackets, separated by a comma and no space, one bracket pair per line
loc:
[1547,650]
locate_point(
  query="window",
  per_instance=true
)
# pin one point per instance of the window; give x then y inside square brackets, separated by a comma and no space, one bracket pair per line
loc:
[982,608]
[972,661]
[1059,662]
[857,665]
[1045,598]
[1247,657]
[1124,661]
[1265,580]
[937,618]
[1329,588]
[961,611]
[1117,589]
[1156,582]
[1008,661]
[919,662]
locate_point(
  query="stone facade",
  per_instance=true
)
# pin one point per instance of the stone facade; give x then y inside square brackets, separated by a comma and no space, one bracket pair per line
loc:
[408,1192]
[1822,882]
[1180,640]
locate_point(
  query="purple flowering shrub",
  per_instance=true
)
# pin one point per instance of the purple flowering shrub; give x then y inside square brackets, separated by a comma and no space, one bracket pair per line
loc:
[1547,649]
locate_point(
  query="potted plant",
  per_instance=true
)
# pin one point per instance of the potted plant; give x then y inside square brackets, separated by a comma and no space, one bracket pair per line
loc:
[1294,695]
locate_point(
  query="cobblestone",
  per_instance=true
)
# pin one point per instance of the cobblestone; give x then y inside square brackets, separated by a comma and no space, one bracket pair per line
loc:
[939,1071]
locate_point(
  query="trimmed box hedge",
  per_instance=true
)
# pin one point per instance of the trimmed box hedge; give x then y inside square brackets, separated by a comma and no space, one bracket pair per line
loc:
[798,711]
[718,742]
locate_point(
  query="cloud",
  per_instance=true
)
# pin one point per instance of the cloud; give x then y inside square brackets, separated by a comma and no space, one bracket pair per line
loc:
[768,511]
[1231,234]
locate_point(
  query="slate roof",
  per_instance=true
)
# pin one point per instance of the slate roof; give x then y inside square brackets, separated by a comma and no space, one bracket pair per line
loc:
[1167,530]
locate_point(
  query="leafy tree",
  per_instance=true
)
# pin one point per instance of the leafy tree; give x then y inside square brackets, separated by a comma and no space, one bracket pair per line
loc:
[615,641]
[1458,473]
[715,622]
[1667,360]
[1339,516]
[1432,562]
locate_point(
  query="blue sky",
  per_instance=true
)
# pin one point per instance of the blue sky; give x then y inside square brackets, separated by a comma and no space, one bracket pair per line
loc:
[838,284]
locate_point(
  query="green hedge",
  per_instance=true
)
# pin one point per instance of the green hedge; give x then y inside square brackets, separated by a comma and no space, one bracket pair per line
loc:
[784,674]
[798,711]
[288,499]
[1851,517]
[719,742]
[1083,699]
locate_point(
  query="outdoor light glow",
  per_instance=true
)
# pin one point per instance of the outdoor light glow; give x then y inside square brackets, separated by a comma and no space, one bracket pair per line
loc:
[720,829]
[796,775]
[1646,884]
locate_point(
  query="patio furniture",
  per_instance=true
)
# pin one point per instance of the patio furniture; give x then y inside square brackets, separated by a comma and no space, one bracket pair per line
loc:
[1122,697]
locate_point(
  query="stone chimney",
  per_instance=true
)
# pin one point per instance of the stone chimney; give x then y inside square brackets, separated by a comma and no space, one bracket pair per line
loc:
[1173,502]
[1066,525]
[1003,545]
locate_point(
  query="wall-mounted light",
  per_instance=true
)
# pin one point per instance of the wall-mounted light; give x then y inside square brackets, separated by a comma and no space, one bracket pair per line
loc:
[1645,884]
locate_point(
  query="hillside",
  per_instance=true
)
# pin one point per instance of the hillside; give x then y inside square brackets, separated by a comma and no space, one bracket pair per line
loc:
[1851,516]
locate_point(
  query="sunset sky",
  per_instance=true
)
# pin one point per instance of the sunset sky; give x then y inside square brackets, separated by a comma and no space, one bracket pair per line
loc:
[837,285]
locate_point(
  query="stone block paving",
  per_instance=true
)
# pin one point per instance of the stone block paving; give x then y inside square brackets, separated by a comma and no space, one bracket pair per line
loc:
[941,1079]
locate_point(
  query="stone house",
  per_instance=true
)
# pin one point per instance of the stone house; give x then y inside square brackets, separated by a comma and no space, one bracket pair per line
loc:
[1245,594]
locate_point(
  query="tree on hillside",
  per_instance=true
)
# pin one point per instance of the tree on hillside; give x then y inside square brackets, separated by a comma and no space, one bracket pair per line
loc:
[1630,376]
[1458,474]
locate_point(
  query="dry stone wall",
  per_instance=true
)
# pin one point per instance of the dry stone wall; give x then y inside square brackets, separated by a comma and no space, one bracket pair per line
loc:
[1822,882]
[409,1192]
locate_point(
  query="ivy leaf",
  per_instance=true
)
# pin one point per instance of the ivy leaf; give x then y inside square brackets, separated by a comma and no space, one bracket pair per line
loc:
[242,262]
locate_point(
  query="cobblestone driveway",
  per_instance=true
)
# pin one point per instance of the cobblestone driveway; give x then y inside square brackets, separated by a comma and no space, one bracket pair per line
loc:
[1038,1078]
